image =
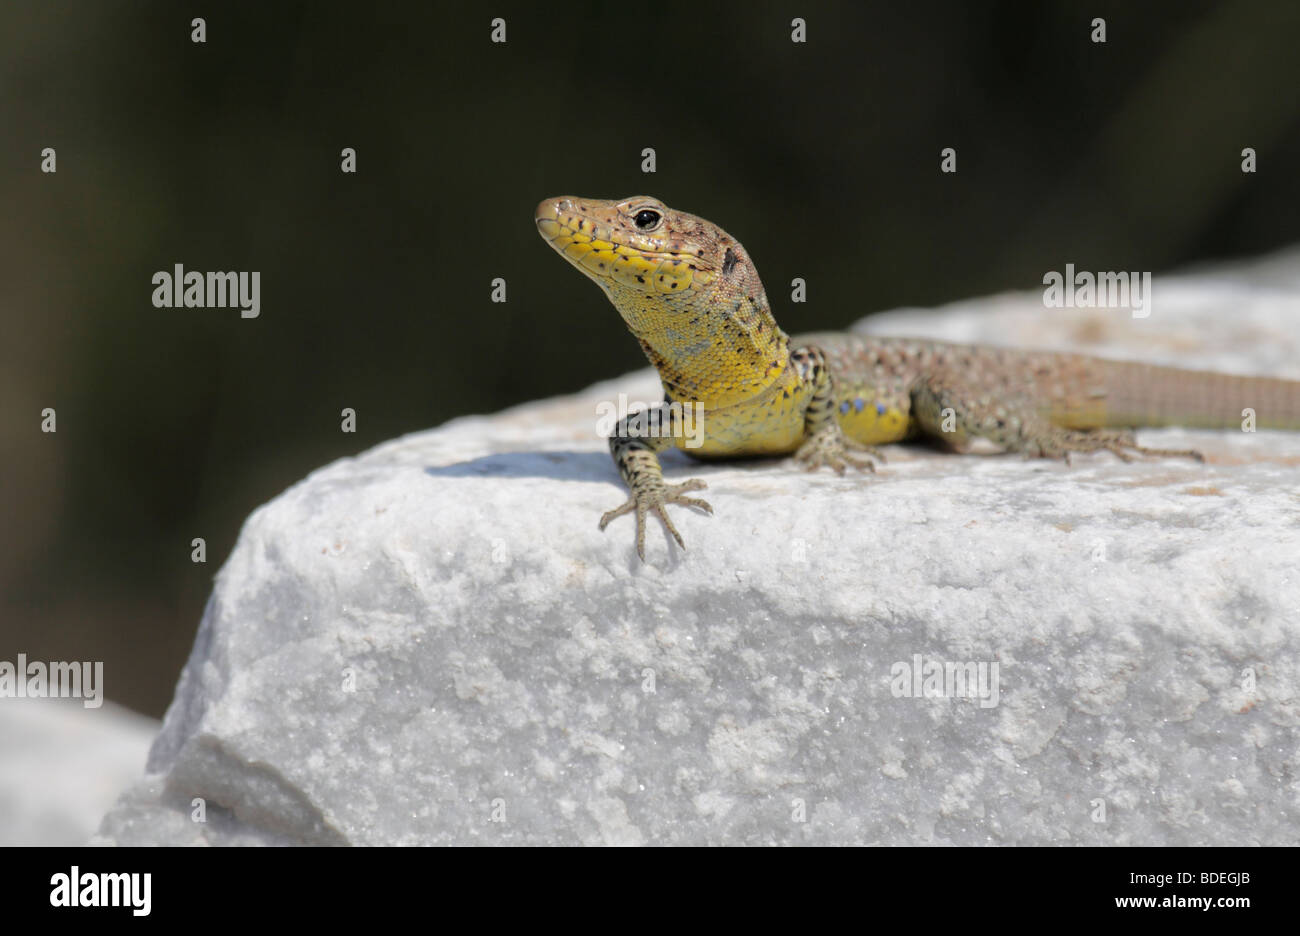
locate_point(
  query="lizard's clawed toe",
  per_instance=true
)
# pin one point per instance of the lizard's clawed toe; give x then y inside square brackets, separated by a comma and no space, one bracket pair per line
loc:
[653,498]
[831,448]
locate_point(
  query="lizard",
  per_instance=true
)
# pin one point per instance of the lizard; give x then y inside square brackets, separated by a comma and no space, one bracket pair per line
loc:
[690,294]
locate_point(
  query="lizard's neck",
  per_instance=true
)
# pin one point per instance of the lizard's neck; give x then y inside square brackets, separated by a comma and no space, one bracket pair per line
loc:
[718,345]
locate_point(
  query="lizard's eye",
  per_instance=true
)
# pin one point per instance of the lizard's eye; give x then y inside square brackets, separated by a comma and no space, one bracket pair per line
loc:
[647,220]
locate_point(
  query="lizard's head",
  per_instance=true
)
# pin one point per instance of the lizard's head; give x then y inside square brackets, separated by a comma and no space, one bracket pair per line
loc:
[639,247]
[685,288]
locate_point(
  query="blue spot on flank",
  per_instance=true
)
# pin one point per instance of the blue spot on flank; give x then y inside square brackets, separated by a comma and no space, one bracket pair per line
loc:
[858,404]
[880,408]
[844,407]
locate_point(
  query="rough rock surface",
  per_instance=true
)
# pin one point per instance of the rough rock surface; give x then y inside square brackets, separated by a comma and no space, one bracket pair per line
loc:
[432,643]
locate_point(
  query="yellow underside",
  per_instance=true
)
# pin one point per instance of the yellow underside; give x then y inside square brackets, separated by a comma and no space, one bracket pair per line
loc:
[773,424]
[872,428]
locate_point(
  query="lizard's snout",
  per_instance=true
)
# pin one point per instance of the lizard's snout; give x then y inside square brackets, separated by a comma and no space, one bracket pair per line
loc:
[614,245]
[548,209]
[548,215]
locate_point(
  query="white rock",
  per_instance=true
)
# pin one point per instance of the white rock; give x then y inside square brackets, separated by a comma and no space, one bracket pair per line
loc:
[432,643]
[63,764]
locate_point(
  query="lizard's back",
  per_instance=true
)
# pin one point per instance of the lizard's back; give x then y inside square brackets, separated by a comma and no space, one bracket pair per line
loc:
[1070,390]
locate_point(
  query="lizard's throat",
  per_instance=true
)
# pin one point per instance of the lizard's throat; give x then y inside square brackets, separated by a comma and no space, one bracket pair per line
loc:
[713,351]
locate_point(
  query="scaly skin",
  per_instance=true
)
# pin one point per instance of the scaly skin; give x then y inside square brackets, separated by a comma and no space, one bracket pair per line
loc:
[690,294]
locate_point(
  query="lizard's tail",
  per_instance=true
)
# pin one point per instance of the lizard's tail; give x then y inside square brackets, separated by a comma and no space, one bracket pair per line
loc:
[1151,395]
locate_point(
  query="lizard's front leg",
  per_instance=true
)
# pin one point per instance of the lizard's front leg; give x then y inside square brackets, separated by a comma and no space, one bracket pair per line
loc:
[826,442]
[638,463]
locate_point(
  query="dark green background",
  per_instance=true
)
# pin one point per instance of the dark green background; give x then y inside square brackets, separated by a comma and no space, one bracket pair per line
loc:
[822,158]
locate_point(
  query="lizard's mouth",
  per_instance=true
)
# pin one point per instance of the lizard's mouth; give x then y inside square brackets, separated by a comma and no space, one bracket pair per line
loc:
[593,237]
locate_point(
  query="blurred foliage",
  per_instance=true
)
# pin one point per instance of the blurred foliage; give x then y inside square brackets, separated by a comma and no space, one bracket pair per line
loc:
[822,158]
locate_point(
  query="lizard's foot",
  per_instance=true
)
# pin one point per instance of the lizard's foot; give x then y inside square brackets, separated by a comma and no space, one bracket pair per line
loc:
[1059,443]
[652,497]
[832,447]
